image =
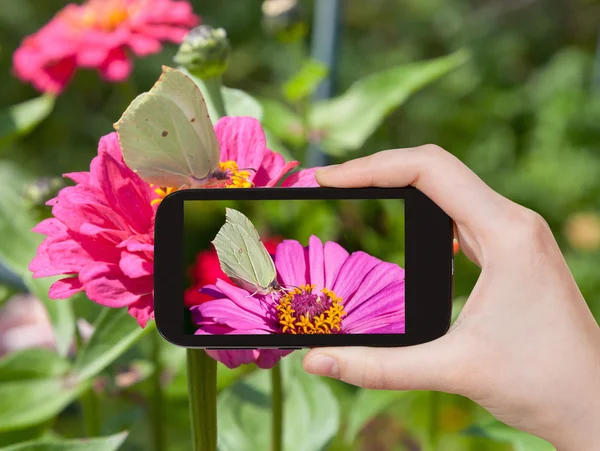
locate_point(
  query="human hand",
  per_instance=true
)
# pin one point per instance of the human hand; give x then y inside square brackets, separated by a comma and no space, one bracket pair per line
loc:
[525,347]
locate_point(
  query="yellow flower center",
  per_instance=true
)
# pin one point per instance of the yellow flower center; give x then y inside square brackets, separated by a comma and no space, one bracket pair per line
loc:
[304,311]
[161,192]
[104,15]
[229,175]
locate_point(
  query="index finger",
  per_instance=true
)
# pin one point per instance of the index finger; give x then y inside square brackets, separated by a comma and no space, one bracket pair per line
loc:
[438,174]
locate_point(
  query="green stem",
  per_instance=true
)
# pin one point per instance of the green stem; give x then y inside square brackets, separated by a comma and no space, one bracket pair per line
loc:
[433,430]
[277,408]
[90,404]
[202,386]
[157,406]
[213,91]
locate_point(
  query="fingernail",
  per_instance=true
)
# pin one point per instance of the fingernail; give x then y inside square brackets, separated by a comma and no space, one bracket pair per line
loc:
[326,169]
[323,365]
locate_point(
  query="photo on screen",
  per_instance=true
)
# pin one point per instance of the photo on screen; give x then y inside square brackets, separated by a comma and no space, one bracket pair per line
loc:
[294,267]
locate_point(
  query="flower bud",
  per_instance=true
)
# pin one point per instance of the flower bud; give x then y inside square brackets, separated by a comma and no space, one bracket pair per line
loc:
[284,19]
[204,52]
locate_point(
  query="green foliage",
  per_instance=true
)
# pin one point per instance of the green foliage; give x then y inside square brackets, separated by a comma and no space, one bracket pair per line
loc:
[311,414]
[521,112]
[237,102]
[111,443]
[347,121]
[367,404]
[27,400]
[18,246]
[521,441]
[32,364]
[115,332]
[22,118]
[305,82]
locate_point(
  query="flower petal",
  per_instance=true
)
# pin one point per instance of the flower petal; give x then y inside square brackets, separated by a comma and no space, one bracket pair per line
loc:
[304,178]
[379,278]
[134,265]
[290,262]
[143,309]
[334,257]
[65,288]
[105,284]
[315,259]
[242,140]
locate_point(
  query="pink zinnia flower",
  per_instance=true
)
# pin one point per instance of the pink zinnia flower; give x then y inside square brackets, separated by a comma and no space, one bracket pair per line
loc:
[102,234]
[100,34]
[328,291]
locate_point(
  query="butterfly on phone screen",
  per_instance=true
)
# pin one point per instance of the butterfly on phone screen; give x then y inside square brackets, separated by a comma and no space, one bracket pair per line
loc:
[243,256]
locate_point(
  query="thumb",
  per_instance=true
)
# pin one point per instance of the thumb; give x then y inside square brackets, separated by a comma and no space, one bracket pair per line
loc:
[429,366]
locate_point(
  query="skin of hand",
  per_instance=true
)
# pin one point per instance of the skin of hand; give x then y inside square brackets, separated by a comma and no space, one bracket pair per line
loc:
[525,347]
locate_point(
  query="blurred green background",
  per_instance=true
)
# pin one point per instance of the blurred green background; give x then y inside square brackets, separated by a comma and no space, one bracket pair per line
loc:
[523,112]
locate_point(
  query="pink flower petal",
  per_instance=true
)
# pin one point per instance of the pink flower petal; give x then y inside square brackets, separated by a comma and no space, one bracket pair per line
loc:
[242,140]
[304,178]
[335,256]
[144,45]
[379,277]
[351,274]
[65,288]
[143,309]
[228,313]
[106,285]
[291,263]
[134,266]
[116,66]
[315,258]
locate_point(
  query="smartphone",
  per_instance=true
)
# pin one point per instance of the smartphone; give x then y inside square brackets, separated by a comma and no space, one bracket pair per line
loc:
[302,267]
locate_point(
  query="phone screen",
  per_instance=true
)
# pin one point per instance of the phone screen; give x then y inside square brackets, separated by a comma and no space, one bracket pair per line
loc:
[319,266]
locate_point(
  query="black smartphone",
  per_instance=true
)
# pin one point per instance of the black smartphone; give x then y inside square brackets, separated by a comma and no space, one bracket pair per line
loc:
[302,267]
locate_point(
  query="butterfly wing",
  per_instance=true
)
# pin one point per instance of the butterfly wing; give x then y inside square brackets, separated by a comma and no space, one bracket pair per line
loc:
[166,134]
[242,255]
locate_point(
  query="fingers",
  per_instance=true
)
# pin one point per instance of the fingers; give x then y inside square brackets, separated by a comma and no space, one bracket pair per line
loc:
[430,366]
[435,172]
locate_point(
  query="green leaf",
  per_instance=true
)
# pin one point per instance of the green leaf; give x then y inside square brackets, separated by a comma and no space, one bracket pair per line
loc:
[311,412]
[110,443]
[29,402]
[32,364]
[114,333]
[18,243]
[365,406]
[500,432]
[240,103]
[237,102]
[18,246]
[22,118]
[283,122]
[348,120]
[305,82]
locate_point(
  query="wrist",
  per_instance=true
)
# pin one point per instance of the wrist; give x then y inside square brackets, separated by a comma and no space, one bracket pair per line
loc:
[581,431]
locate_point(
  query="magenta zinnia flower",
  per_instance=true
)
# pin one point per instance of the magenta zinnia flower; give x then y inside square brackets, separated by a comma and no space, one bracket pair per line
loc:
[327,290]
[101,237]
[100,34]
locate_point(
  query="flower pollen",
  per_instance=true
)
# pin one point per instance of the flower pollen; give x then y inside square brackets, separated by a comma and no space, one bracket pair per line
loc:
[303,311]
[228,175]
[236,178]
[161,192]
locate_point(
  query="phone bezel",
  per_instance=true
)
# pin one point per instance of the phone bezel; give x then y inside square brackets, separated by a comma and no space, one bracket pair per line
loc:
[428,266]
